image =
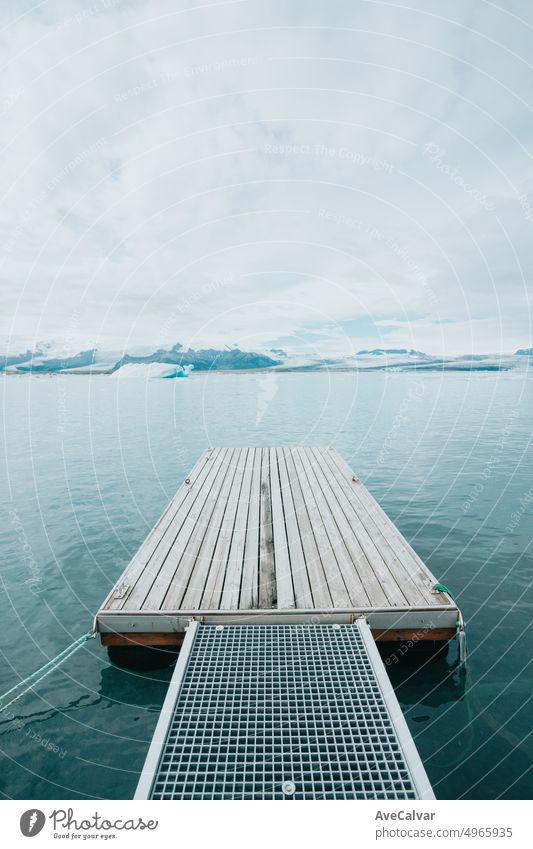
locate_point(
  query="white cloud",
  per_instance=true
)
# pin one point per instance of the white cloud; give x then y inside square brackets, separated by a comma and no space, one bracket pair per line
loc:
[153,150]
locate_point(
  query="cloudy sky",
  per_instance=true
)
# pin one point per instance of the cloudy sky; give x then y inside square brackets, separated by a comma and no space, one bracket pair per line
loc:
[325,176]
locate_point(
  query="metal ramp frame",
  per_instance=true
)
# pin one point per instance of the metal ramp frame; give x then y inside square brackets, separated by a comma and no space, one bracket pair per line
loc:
[281,712]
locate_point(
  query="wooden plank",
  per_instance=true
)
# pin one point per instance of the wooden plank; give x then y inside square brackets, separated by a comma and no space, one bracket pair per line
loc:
[284,586]
[219,564]
[411,588]
[198,556]
[137,563]
[249,592]
[335,581]
[389,618]
[317,578]
[155,548]
[235,565]
[303,595]
[155,594]
[394,593]
[420,573]
[353,584]
[376,593]
[385,531]
[267,565]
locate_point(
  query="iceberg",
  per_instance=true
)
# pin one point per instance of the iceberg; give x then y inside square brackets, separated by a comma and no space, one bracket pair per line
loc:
[148,371]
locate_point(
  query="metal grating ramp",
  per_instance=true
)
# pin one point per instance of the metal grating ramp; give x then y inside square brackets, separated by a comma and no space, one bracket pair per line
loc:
[281,712]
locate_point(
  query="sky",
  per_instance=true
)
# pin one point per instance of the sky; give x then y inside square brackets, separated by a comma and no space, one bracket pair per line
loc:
[325,176]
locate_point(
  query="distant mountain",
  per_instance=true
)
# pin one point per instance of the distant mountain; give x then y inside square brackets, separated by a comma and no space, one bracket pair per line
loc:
[405,359]
[6,361]
[178,361]
[39,363]
[203,360]
[381,351]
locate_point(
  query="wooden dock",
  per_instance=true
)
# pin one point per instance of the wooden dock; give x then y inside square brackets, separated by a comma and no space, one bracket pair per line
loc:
[274,535]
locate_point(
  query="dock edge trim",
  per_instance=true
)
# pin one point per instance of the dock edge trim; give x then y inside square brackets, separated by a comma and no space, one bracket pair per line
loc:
[412,758]
[151,764]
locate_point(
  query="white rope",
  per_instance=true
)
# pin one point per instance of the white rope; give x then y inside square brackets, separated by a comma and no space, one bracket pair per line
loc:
[44,671]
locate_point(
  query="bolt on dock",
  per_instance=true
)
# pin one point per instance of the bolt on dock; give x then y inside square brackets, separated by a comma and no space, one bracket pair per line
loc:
[276,572]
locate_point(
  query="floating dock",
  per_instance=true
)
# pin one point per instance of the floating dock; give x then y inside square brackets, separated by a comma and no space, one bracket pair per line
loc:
[269,536]
[281,712]
[276,572]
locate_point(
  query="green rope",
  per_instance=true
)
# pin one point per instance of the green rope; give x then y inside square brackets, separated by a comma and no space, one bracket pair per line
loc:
[460,626]
[441,588]
[41,673]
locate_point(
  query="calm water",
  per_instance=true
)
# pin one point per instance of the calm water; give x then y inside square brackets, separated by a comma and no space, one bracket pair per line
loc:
[89,466]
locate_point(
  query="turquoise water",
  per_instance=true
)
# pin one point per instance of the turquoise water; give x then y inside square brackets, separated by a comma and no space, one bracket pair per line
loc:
[89,465]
